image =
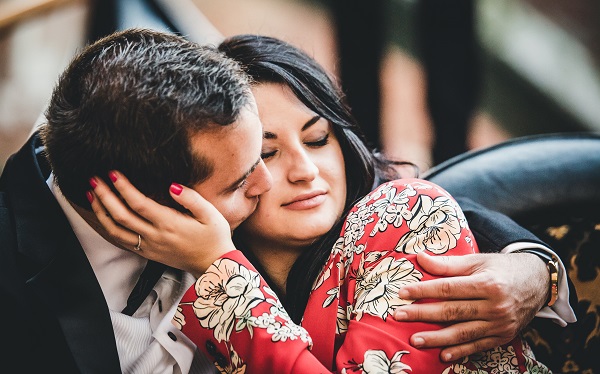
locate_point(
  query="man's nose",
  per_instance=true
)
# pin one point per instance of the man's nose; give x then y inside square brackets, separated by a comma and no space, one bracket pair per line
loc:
[260,181]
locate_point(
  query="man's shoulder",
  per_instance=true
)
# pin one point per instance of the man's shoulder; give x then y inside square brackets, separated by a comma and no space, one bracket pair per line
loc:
[4,206]
[6,220]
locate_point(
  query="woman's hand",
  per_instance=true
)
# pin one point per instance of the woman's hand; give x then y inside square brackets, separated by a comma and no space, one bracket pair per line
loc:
[488,298]
[165,235]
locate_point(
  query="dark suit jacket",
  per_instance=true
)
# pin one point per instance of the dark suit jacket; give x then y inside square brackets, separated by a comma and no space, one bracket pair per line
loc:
[57,318]
[53,307]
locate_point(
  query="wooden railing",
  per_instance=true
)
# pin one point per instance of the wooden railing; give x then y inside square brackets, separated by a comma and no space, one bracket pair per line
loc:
[15,11]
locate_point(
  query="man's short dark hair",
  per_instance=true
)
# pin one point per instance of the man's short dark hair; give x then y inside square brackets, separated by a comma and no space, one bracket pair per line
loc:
[130,102]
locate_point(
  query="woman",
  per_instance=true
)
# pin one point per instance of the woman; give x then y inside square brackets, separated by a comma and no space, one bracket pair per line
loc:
[320,167]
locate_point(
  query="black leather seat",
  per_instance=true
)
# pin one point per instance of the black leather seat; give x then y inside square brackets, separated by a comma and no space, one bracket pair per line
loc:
[551,185]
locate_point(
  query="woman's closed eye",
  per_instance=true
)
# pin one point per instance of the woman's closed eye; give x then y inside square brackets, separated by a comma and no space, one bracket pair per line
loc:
[268,154]
[319,143]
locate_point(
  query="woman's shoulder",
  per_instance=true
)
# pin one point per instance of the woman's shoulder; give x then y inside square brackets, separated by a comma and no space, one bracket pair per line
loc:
[406,216]
[403,189]
[415,183]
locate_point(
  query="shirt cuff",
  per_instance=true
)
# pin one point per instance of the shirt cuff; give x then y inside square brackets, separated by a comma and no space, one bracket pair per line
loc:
[561,312]
[175,342]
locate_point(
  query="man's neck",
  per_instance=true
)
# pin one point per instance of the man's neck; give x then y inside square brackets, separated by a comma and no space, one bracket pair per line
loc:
[91,219]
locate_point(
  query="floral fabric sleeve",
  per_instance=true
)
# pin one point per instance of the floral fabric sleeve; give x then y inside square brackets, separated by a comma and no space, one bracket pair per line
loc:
[374,257]
[236,319]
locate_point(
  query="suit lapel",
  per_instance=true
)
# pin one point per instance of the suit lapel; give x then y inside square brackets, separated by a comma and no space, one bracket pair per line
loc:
[56,268]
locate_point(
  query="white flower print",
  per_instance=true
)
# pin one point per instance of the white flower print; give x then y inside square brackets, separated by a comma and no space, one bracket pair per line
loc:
[376,362]
[377,288]
[179,319]
[341,258]
[355,229]
[279,331]
[378,192]
[375,194]
[264,320]
[226,292]
[333,294]
[277,308]
[497,360]
[345,246]
[338,247]
[434,227]
[375,256]
[325,274]
[284,331]
[393,209]
[419,185]
[342,319]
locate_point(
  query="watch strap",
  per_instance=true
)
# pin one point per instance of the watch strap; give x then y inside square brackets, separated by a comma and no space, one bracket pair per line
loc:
[552,264]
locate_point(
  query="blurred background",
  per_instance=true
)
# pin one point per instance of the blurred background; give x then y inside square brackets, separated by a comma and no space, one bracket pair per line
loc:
[427,79]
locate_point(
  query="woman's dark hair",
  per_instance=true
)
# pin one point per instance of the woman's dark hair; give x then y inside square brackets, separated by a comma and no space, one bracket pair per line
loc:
[270,60]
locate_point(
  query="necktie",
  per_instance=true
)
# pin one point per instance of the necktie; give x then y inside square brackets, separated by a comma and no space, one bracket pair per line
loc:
[151,274]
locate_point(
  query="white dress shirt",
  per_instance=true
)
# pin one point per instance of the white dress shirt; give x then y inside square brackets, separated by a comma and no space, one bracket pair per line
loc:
[147,341]
[561,312]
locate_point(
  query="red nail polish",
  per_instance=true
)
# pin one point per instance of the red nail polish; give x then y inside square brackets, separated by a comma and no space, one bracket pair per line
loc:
[113,176]
[176,188]
[89,196]
[93,182]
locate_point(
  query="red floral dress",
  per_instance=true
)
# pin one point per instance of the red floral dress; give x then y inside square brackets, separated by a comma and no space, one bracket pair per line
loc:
[237,320]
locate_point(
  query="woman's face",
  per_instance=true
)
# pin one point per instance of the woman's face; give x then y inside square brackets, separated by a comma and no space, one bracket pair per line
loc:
[306,162]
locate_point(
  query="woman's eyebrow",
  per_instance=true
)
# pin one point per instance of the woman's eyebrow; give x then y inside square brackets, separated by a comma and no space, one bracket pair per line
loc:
[311,122]
[308,124]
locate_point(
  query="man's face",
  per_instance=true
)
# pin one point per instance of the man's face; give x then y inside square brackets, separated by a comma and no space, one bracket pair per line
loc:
[239,174]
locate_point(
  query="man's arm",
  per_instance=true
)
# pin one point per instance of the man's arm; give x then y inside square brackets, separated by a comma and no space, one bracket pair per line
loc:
[497,233]
[489,297]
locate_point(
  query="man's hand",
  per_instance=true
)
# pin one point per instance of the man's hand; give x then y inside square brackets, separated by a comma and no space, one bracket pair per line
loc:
[489,297]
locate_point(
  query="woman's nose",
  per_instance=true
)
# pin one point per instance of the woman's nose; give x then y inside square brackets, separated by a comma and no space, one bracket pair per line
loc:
[301,167]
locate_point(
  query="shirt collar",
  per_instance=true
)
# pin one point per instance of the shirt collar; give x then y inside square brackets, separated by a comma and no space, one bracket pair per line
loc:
[116,269]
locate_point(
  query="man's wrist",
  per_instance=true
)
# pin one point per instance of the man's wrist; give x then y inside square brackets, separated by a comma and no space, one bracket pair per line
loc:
[552,265]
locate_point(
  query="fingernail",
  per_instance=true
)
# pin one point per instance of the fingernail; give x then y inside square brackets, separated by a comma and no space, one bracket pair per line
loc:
[176,188]
[400,315]
[403,294]
[93,182]
[89,196]
[113,176]
[418,341]
[447,357]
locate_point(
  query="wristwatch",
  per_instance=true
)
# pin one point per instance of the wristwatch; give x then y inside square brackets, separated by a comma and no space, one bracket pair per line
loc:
[552,264]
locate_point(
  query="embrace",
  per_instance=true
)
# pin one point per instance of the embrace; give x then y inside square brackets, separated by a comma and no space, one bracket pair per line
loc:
[197,209]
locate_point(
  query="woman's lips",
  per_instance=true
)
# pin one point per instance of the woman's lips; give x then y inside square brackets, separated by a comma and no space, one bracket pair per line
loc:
[306,201]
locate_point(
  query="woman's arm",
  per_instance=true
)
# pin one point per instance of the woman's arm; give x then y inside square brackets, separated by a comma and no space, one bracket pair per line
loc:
[515,285]
[229,313]
[236,319]
[374,259]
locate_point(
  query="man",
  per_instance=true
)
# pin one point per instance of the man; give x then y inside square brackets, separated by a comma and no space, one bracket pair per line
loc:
[161,109]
